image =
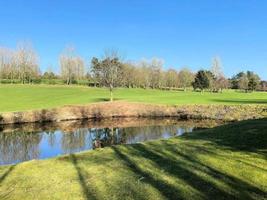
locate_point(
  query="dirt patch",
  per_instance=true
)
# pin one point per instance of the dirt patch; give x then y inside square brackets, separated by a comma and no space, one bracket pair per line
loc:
[125,109]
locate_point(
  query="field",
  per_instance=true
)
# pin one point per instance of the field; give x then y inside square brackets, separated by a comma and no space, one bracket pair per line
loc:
[227,162]
[30,97]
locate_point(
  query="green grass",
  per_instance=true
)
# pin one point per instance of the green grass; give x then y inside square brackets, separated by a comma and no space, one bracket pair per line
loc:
[227,162]
[28,97]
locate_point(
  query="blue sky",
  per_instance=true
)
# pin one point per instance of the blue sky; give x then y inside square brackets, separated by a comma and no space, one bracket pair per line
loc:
[182,32]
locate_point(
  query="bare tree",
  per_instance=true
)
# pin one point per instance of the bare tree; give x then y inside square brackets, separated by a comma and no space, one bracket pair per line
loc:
[219,82]
[108,71]
[156,65]
[8,65]
[216,68]
[171,78]
[27,61]
[72,66]
[186,78]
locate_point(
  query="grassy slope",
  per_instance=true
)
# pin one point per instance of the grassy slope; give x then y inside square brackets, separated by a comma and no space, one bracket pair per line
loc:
[19,97]
[226,162]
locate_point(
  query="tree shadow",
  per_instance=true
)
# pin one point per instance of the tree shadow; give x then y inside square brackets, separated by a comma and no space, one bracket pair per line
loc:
[166,189]
[10,169]
[247,135]
[240,101]
[242,189]
[106,99]
[88,194]
[180,171]
[182,164]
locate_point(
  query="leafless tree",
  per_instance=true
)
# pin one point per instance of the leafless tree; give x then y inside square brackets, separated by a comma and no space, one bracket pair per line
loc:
[171,78]
[72,66]
[186,78]
[108,71]
[26,60]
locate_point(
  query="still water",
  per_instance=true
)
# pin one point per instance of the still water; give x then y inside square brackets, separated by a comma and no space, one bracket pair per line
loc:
[20,143]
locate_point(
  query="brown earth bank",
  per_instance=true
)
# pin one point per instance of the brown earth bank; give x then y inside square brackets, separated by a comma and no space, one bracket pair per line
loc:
[126,109]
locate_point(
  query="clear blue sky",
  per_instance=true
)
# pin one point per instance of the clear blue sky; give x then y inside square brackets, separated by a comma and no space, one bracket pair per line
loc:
[182,32]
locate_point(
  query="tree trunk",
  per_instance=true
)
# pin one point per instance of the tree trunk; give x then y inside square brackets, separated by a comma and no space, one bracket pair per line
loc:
[111,92]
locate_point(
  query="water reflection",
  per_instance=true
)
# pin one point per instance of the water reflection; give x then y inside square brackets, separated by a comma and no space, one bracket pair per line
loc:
[19,143]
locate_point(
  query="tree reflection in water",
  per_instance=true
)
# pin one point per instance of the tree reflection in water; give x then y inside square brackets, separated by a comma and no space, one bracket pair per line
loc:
[18,144]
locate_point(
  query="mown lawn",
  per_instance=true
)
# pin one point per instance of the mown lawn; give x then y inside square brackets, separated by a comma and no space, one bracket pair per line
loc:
[226,162]
[28,97]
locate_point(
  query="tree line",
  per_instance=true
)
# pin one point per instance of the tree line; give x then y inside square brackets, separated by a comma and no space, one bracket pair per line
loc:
[21,65]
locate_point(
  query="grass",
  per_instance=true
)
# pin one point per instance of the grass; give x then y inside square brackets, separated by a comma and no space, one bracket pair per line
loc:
[30,97]
[226,162]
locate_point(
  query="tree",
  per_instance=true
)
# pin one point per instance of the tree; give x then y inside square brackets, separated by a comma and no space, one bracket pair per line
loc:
[108,71]
[8,67]
[185,78]
[27,61]
[72,66]
[221,83]
[171,78]
[212,81]
[218,82]
[254,80]
[243,82]
[155,72]
[201,80]
[235,79]
[216,68]
[246,81]
[49,75]
[263,85]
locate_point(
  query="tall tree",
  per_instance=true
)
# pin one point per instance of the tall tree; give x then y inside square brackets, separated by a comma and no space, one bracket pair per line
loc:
[27,62]
[171,78]
[216,68]
[202,80]
[219,82]
[235,79]
[254,80]
[72,66]
[243,82]
[185,77]
[156,65]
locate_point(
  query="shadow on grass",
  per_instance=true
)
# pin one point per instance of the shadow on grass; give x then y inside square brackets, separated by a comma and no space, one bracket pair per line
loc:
[106,99]
[181,162]
[88,194]
[243,190]
[10,169]
[240,101]
[166,189]
[176,169]
[247,135]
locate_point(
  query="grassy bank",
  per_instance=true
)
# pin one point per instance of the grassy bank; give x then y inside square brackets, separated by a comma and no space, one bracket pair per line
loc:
[226,162]
[30,97]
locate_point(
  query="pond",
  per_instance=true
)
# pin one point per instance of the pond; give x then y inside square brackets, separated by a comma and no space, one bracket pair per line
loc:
[24,142]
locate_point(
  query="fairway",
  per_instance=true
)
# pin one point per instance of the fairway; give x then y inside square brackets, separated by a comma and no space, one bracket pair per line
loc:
[30,97]
[227,162]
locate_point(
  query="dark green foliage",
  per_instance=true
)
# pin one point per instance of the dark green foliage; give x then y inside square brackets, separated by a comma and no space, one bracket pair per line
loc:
[202,80]
[253,80]
[234,80]
[49,75]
